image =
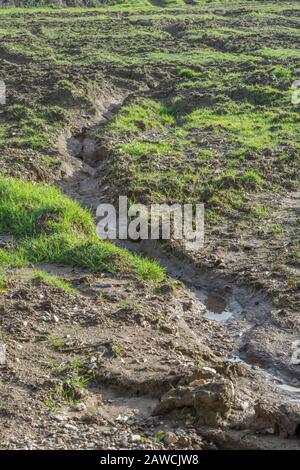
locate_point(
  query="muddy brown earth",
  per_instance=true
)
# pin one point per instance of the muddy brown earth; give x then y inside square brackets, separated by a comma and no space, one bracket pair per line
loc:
[155,369]
[206,361]
[202,364]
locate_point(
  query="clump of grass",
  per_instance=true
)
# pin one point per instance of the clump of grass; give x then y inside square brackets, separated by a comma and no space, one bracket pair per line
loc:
[58,343]
[36,125]
[117,350]
[74,377]
[139,115]
[145,149]
[53,281]
[53,405]
[260,212]
[188,73]
[28,209]
[50,227]
[252,177]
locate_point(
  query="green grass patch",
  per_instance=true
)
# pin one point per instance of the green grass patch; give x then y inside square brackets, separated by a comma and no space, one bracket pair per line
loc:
[188,73]
[49,227]
[210,117]
[140,115]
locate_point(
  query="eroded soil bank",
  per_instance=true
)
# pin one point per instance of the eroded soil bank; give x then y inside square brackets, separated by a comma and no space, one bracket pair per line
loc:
[250,382]
[201,362]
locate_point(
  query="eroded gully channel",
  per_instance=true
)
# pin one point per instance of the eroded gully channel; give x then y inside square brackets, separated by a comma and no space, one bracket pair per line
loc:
[242,315]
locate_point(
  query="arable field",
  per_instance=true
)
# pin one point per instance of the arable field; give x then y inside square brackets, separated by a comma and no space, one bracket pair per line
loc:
[145,345]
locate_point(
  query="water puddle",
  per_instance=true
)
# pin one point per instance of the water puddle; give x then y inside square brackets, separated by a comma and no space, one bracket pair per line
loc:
[218,299]
[215,304]
[218,316]
[290,390]
[219,307]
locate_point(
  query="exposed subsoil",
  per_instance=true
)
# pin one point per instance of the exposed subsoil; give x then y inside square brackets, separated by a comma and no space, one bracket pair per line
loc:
[242,333]
[201,365]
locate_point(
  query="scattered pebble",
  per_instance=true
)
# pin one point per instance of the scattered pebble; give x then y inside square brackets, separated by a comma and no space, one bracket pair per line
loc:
[71,427]
[135,438]
[2,353]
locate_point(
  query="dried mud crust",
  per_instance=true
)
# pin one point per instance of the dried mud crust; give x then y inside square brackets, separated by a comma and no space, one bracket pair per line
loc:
[127,347]
[121,366]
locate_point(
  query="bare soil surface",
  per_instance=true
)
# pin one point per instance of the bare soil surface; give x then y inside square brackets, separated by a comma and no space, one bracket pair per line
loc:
[160,375]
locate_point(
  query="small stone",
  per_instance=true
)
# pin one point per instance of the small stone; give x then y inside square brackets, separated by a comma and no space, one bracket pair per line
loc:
[167,329]
[295,360]
[122,419]
[103,350]
[55,318]
[170,438]
[243,405]
[60,418]
[80,407]
[183,441]
[123,440]
[80,393]
[2,353]
[135,438]
[295,382]
[221,266]
[71,427]
[187,305]
[212,399]
[209,370]
[219,262]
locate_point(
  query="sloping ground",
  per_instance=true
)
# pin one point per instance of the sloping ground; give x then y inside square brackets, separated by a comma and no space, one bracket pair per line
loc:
[63,3]
[99,3]
[185,104]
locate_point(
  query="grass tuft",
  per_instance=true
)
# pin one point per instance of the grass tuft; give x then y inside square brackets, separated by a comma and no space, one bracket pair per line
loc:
[49,227]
